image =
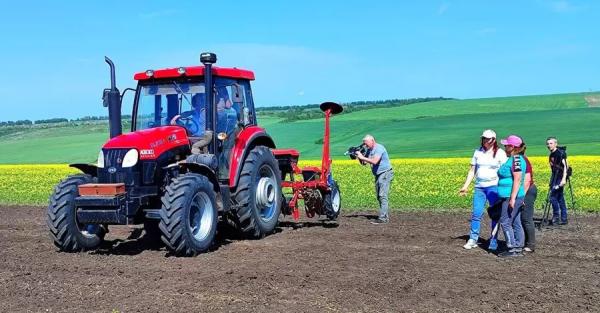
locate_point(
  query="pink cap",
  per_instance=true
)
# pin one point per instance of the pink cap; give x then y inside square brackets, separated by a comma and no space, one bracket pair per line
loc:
[512,140]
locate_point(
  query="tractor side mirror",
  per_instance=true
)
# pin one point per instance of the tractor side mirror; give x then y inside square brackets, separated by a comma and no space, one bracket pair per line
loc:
[105,97]
[237,95]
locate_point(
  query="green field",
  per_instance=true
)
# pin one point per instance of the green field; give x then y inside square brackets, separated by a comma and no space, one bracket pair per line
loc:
[449,128]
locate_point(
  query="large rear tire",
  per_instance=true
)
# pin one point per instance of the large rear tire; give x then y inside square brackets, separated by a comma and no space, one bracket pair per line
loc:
[258,194]
[69,235]
[189,215]
[333,202]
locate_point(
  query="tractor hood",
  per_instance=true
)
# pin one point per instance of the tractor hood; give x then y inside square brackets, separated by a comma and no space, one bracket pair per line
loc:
[151,142]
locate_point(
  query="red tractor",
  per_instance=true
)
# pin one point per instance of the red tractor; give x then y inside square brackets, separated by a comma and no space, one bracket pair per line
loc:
[194,154]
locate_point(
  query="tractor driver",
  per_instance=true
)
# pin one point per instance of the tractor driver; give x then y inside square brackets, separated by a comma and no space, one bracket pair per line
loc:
[194,121]
[226,114]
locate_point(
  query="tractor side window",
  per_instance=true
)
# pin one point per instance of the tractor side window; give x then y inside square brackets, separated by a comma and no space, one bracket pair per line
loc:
[238,99]
[228,103]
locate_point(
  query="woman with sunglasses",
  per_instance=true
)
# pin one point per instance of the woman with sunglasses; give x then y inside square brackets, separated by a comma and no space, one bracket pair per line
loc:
[485,163]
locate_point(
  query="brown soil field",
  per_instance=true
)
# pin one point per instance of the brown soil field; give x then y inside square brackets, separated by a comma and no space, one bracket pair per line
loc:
[415,263]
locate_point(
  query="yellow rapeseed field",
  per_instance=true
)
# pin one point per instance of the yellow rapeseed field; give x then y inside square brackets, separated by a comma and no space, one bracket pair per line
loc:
[418,183]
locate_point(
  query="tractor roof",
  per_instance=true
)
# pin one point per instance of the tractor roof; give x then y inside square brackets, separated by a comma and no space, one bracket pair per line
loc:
[196,71]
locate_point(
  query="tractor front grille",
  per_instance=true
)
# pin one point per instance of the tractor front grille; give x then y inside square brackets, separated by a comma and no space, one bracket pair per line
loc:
[113,172]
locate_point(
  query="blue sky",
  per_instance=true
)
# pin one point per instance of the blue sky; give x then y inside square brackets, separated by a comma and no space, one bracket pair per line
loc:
[302,52]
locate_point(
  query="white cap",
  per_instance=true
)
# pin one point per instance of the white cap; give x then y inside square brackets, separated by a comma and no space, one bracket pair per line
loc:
[488,133]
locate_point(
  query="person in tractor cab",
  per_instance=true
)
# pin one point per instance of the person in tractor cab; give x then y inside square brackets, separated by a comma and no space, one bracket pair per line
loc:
[226,115]
[381,167]
[194,121]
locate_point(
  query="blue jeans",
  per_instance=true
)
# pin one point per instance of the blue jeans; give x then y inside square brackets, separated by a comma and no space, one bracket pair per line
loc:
[480,197]
[510,219]
[557,198]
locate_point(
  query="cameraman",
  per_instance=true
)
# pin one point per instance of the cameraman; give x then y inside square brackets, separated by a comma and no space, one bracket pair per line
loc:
[558,166]
[381,167]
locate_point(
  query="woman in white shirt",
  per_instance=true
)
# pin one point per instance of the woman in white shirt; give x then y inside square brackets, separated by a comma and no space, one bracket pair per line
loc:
[484,169]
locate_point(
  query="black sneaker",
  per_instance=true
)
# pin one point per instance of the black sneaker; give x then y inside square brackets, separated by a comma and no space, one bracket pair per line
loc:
[509,254]
[380,221]
[563,223]
[554,222]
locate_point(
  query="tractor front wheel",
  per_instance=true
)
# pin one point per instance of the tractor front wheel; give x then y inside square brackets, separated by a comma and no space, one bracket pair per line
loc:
[258,194]
[189,215]
[68,234]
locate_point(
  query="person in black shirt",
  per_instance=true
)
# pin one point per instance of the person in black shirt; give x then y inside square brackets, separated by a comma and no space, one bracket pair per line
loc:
[558,179]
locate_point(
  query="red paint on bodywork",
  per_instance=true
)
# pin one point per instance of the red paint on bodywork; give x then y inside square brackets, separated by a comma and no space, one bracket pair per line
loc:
[242,142]
[154,141]
[196,71]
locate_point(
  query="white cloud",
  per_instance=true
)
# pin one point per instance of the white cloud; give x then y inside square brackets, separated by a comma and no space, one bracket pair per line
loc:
[301,93]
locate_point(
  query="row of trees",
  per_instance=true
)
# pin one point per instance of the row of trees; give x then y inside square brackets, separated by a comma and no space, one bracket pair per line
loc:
[311,111]
[58,120]
[287,113]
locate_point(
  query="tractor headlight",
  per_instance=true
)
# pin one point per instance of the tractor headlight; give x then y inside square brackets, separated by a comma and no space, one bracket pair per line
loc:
[101,159]
[130,159]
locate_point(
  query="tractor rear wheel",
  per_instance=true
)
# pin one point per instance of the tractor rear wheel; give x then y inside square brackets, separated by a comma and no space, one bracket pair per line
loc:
[258,194]
[333,202]
[189,215]
[67,233]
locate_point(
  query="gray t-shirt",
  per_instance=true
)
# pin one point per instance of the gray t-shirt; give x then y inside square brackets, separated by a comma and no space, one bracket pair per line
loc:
[384,163]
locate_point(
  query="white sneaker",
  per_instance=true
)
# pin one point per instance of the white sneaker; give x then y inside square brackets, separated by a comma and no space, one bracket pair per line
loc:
[470,244]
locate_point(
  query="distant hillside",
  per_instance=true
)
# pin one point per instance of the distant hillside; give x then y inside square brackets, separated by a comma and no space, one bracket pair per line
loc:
[311,111]
[443,128]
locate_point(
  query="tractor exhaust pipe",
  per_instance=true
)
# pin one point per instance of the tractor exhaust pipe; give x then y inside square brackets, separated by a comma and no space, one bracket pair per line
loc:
[112,100]
[208,59]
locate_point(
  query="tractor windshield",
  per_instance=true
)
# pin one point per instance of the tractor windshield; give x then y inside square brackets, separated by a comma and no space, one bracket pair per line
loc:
[174,103]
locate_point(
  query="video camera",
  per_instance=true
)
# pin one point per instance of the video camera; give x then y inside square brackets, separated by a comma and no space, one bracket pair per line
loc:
[362,148]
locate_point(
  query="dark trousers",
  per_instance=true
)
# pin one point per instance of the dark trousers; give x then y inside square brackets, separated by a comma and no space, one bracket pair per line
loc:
[527,216]
[559,207]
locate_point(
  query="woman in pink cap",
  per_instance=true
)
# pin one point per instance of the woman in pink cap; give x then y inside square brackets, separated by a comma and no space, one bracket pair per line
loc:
[511,183]
[485,163]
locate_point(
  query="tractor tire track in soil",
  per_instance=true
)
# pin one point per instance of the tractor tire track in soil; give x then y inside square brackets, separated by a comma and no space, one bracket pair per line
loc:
[415,263]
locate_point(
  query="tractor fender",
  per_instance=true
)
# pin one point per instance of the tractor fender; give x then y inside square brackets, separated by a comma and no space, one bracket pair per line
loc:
[202,170]
[89,169]
[248,138]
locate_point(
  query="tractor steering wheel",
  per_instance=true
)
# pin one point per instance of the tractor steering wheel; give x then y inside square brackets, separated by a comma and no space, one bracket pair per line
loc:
[187,120]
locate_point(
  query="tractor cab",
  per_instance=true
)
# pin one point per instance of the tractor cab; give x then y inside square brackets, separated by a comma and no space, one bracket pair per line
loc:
[212,117]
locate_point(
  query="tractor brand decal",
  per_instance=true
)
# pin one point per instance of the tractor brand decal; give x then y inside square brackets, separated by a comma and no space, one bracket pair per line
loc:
[147,152]
[157,143]
[172,138]
[112,170]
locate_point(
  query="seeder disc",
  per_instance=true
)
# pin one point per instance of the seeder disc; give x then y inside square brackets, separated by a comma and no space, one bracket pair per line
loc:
[334,107]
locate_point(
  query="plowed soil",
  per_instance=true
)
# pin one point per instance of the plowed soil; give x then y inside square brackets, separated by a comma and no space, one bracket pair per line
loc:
[415,263]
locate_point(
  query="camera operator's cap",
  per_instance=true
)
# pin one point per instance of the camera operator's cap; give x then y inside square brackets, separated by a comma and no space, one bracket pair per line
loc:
[488,133]
[512,140]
